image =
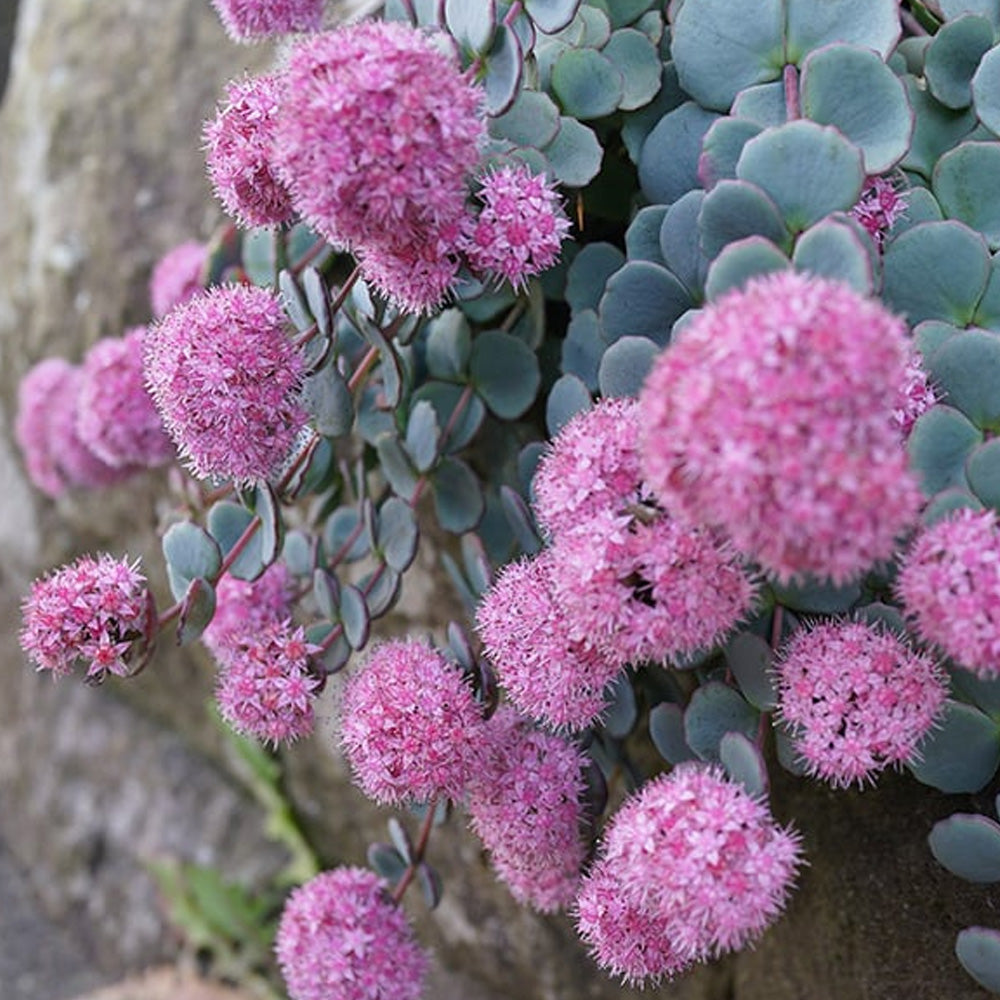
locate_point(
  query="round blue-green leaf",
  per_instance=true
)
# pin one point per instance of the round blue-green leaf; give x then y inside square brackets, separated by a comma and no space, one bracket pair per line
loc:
[503,71]
[953,58]
[986,90]
[397,467]
[666,729]
[343,528]
[260,256]
[913,51]
[714,710]
[946,502]
[226,523]
[190,552]
[636,125]
[575,153]
[932,334]
[532,120]
[721,148]
[733,210]
[521,520]
[620,711]
[569,396]
[978,949]
[762,104]
[872,23]
[967,369]
[921,206]
[817,596]
[625,366]
[962,754]
[422,436]
[988,309]
[851,89]
[299,553]
[749,658]
[741,261]
[637,60]
[787,753]
[808,170]
[587,84]
[471,24]
[381,590]
[551,16]
[937,128]
[445,397]
[722,46]
[937,270]
[968,845]
[197,611]
[642,238]
[591,28]
[449,343]
[939,445]
[953,9]
[965,184]
[272,526]
[832,249]
[679,245]
[328,401]
[668,163]
[583,348]
[458,500]
[354,616]
[398,534]
[589,273]
[505,373]
[983,472]
[624,12]
[642,300]
[743,762]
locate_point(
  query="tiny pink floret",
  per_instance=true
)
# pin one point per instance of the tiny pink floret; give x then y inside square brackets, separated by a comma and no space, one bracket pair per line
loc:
[410,726]
[342,938]
[949,585]
[856,699]
[98,611]
[244,608]
[880,206]
[254,20]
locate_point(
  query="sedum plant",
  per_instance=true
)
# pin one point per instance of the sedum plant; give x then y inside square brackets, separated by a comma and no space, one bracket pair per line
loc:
[683,323]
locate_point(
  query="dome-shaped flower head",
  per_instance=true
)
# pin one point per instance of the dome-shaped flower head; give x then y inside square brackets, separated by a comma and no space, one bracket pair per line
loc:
[177,277]
[98,611]
[244,608]
[115,416]
[253,20]
[342,938]
[856,699]
[704,861]
[647,590]
[519,230]
[265,686]
[880,205]
[525,805]
[770,418]
[226,378]
[239,143]
[39,396]
[915,398]
[591,466]
[377,132]
[949,585]
[78,464]
[548,675]
[410,727]
[625,939]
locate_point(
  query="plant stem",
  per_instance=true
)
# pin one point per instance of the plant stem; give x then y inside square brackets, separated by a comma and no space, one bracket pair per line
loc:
[456,415]
[790,78]
[419,850]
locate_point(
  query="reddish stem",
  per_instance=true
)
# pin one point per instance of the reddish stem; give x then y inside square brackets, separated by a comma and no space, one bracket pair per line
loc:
[512,14]
[308,257]
[365,366]
[419,850]
[456,415]
[791,81]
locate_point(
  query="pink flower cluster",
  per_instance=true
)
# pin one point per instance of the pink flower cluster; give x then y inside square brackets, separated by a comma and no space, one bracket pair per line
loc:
[99,611]
[410,727]
[226,378]
[92,425]
[239,152]
[342,938]
[376,137]
[519,229]
[770,418]
[880,205]
[949,585]
[690,867]
[252,20]
[243,608]
[856,699]
[525,806]
[915,398]
[177,277]
[265,686]
[621,582]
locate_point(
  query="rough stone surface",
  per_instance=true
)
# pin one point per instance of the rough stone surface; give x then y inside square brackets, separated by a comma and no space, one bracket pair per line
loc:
[100,173]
